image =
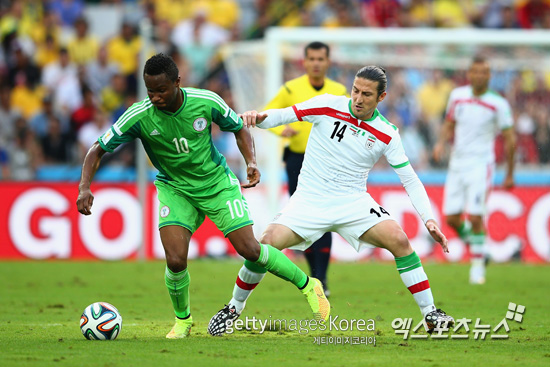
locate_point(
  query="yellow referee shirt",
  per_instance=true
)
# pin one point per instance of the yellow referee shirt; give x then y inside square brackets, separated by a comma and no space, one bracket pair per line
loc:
[296,91]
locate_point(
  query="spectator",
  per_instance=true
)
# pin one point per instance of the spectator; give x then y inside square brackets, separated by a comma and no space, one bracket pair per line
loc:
[112,97]
[84,113]
[39,122]
[532,13]
[123,50]
[198,30]
[47,52]
[381,13]
[100,72]
[61,79]
[25,97]
[432,96]
[21,66]
[83,47]
[453,13]
[56,145]
[24,154]
[67,11]
[8,116]
[91,131]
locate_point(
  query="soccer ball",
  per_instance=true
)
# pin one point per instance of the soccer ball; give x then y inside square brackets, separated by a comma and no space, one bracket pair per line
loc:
[100,321]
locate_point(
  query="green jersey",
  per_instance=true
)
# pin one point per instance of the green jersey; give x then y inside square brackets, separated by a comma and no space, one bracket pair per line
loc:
[179,144]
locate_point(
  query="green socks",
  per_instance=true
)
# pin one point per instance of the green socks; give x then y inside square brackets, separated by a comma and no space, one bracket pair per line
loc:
[278,264]
[178,288]
[464,231]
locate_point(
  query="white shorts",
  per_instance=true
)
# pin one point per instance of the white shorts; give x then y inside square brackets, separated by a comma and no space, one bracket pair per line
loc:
[311,216]
[468,190]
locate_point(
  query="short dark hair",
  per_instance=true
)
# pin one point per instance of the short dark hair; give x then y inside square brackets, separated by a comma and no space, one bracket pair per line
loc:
[317,46]
[479,59]
[376,74]
[162,64]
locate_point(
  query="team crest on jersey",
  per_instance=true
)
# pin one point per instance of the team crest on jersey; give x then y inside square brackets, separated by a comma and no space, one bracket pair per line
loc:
[200,124]
[164,211]
[370,142]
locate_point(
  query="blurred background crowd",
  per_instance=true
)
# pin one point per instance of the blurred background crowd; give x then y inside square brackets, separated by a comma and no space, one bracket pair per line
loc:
[69,68]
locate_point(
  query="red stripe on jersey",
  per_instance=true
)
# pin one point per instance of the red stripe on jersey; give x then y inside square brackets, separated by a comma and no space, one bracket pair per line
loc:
[298,113]
[419,287]
[327,111]
[476,101]
[245,286]
[450,114]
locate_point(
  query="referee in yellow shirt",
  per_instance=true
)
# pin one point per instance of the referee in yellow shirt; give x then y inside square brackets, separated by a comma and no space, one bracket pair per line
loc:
[313,83]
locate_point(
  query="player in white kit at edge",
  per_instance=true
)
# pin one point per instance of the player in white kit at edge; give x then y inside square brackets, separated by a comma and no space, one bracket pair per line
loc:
[475,114]
[348,137]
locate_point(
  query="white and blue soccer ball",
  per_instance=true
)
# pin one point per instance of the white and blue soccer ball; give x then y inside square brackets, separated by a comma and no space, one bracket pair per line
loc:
[100,321]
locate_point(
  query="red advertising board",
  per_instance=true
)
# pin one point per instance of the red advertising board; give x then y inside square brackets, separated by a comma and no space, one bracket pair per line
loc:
[40,221]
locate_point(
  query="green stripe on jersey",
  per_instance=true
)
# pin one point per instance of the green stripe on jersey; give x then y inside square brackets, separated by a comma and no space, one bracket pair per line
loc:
[132,112]
[197,93]
[401,164]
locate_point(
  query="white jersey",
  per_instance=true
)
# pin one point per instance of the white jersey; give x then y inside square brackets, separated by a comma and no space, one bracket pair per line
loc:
[341,149]
[477,122]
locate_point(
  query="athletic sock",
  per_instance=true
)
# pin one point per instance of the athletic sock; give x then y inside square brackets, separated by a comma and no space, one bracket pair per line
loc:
[320,257]
[477,248]
[279,265]
[178,288]
[465,230]
[413,275]
[249,277]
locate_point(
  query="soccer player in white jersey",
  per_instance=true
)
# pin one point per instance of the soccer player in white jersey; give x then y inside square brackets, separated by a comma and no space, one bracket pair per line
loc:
[475,114]
[348,137]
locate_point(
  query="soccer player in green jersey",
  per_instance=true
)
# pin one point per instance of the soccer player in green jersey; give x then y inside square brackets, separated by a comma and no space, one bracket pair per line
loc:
[174,125]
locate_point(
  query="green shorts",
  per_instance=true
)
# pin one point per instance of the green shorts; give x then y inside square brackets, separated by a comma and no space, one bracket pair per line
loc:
[223,203]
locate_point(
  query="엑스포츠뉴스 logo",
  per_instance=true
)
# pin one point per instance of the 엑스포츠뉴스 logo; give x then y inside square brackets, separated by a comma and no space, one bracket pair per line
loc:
[200,124]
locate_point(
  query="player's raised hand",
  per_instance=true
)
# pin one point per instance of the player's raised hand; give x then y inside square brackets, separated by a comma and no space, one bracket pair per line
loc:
[438,152]
[253,176]
[288,132]
[85,201]
[251,118]
[437,235]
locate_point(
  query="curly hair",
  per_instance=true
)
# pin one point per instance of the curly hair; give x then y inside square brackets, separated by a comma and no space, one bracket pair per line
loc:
[161,64]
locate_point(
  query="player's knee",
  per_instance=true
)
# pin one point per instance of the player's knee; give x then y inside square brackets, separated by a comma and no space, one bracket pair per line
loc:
[250,250]
[176,263]
[400,242]
[267,237]
[453,221]
[477,223]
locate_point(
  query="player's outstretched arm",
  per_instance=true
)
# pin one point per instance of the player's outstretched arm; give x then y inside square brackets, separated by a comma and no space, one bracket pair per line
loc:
[245,142]
[437,235]
[89,168]
[251,118]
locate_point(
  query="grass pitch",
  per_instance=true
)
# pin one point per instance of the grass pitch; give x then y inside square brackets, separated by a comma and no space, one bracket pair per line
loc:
[41,303]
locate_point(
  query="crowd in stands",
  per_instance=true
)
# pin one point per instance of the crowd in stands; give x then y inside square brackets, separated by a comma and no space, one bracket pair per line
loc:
[62,85]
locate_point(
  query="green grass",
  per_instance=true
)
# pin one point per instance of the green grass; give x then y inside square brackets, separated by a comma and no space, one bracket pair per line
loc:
[41,303]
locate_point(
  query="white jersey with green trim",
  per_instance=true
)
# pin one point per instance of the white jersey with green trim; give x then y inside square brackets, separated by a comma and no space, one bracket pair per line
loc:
[341,149]
[477,119]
